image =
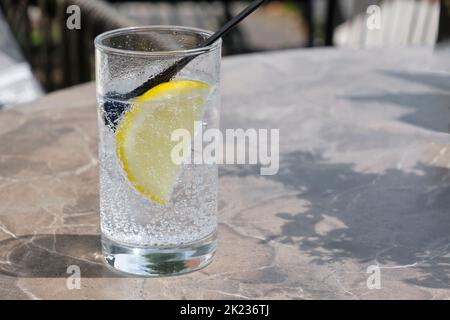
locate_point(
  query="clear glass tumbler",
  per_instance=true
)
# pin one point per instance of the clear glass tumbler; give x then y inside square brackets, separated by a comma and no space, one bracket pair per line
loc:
[158,217]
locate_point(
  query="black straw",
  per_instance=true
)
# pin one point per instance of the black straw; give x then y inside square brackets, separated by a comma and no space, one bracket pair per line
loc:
[171,71]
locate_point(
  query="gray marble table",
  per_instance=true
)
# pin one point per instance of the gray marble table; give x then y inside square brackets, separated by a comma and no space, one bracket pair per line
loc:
[364,185]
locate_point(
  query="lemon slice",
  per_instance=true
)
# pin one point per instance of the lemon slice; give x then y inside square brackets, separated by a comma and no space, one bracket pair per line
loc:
[143,138]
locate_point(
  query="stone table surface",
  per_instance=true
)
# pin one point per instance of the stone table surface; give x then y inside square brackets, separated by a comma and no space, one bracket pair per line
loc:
[363,185]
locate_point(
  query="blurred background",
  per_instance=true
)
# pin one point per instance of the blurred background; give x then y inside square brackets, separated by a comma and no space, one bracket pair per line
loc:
[39,54]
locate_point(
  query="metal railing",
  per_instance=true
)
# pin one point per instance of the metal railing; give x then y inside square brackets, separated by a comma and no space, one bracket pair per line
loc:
[61,57]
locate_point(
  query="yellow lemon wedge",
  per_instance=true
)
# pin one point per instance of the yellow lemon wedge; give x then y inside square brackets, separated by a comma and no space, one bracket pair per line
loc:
[143,137]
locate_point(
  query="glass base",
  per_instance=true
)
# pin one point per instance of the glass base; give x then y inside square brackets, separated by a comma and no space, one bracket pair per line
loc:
[159,261]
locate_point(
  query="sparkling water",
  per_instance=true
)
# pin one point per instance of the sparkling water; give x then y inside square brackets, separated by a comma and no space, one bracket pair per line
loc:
[130,218]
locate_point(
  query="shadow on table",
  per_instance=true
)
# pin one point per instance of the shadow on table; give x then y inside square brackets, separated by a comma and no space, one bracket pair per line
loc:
[430,110]
[49,255]
[392,218]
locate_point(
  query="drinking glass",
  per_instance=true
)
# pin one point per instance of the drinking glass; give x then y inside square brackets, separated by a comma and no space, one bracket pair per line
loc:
[157,217]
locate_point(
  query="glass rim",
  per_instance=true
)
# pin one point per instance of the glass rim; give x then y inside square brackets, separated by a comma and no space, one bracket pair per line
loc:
[160,53]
